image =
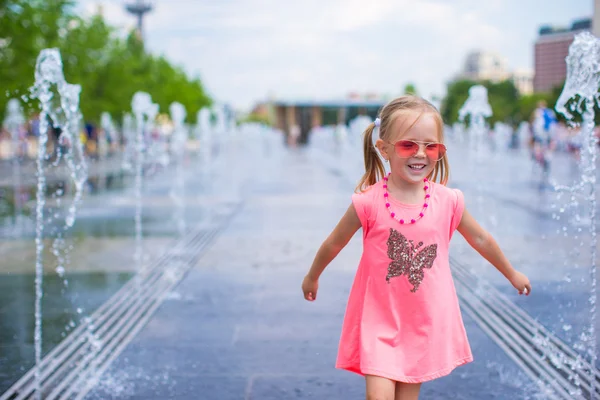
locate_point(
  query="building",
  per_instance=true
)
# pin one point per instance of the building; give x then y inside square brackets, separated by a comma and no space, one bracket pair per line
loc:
[523,80]
[551,48]
[596,19]
[309,114]
[485,66]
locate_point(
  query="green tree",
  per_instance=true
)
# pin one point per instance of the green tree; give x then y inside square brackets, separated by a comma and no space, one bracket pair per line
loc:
[503,98]
[410,88]
[109,69]
[85,54]
[27,27]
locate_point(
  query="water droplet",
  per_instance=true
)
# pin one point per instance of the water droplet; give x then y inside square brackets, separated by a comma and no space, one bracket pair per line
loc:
[567,327]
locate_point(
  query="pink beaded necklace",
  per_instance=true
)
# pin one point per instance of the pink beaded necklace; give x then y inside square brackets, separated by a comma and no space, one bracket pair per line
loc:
[393,214]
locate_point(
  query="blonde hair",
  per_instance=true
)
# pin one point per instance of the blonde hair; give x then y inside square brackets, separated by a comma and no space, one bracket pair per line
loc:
[374,169]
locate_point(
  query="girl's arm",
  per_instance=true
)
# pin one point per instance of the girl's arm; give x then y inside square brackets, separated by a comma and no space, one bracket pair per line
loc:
[484,243]
[330,248]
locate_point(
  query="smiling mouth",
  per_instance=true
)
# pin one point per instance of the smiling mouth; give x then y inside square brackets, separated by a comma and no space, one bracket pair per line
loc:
[417,167]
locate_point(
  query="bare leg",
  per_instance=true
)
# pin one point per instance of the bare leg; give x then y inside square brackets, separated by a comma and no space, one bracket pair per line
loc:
[407,391]
[379,388]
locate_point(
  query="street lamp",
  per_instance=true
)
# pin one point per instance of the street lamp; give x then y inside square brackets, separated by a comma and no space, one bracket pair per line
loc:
[139,9]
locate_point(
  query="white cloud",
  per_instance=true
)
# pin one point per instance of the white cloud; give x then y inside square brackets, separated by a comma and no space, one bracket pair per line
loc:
[245,49]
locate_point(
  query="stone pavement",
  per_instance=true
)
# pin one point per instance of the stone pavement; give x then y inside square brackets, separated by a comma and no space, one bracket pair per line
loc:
[237,326]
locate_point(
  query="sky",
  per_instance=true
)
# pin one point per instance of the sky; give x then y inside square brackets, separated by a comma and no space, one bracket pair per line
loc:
[248,51]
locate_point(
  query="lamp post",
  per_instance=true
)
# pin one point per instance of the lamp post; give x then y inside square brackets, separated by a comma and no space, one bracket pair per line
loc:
[139,9]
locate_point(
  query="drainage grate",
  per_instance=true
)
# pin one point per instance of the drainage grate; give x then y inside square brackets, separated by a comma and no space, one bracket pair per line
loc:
[73,367]
[560,371]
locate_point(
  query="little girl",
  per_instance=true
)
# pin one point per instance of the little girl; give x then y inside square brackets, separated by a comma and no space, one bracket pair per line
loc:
[403,324]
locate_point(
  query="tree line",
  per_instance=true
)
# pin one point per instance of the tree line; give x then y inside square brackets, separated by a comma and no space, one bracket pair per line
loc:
[109,68]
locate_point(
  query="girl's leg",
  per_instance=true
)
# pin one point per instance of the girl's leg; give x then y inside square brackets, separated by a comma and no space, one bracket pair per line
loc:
[407,391]
[379,388]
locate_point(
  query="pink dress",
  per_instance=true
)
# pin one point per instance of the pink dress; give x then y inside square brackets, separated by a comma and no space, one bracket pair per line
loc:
[403,321]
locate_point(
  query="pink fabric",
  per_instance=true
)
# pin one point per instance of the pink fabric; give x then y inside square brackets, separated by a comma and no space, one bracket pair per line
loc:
[388,330]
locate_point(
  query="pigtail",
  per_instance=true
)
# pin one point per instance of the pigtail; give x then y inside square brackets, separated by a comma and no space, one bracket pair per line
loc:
[374,169]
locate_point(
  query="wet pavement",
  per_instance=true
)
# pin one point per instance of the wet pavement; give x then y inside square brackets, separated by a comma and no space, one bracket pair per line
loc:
[237,326]
[100,259]
[64,310]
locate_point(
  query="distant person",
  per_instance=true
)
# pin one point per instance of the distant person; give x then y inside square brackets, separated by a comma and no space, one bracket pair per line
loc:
[403,324]
[55,133]
[89,137]
[33,134]
[543,122]
[294,135]
[34,126]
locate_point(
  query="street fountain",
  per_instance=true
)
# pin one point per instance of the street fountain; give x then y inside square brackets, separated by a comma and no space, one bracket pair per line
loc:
[340,138]
[59,103]
[145,111]
[478,109]
[105,140]
[178,143]
[219,127]
[129,142]
[13,123]
[110,132]
[204,136]
[357,127]
[157,145]
[223,147]
[457,132]
[503,136]
[577,99]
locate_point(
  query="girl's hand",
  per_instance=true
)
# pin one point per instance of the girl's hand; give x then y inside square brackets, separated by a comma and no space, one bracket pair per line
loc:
[310,287]
[521,283]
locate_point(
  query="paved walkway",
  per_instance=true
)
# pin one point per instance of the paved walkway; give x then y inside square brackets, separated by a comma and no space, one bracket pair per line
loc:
[237,327]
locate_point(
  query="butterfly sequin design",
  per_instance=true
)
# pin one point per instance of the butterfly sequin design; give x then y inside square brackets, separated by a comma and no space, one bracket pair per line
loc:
[407,259]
